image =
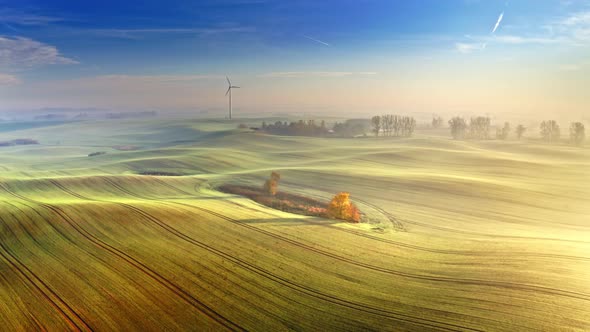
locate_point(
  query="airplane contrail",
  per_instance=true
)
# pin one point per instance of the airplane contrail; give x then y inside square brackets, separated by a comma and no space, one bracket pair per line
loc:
[10,27]
[317,40]
[498,22]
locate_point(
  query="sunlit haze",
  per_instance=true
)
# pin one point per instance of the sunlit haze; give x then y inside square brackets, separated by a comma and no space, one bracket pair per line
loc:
[344,57]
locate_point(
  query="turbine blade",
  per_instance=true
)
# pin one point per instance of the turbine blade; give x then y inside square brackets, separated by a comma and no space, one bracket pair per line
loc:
[228,81]
[235,87]
[227,90]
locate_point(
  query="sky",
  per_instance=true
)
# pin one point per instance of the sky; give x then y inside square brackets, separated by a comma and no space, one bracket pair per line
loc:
[349,57]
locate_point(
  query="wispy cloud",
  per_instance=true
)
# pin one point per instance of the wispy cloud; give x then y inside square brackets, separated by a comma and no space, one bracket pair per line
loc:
[467,48]
[317,40]
[21,52]
[576,19]
[576,27]
[141,33]
[517,40]
[147,79]
[10,16]
[571,30]
[7,79]
[307,74]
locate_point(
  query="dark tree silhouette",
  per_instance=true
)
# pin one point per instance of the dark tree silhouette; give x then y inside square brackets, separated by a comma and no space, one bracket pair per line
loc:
[395,125]
[376,124]
[299,128]
[352,127]
[458,127]
[577,133]
[479,127]
[550,131]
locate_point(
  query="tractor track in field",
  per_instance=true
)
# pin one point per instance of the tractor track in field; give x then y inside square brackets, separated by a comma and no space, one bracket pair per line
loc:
[469,253]
[268,274]
[278,318]
[461,281]
[278,279]
[183,294]
[130,207]
[426,249]
[313,292]
[72,318]
[450,230]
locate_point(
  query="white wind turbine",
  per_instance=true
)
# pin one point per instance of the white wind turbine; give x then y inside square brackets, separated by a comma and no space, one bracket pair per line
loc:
[230,87]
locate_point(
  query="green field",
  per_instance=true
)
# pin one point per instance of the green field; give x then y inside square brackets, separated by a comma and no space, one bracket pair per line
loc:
[459,235]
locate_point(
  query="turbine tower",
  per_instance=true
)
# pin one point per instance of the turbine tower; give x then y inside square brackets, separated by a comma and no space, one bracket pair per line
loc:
[230,87]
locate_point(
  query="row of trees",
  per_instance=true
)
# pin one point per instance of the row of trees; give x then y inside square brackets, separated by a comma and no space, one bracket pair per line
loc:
[348,128]
[299,128]
[550,132]
[396,125]
[393,125]
[351,127]
[479,128]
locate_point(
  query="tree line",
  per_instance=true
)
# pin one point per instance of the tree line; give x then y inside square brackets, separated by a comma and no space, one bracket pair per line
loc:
[298,128]
[348,128]
[393,125]
[404,126]
[479,128]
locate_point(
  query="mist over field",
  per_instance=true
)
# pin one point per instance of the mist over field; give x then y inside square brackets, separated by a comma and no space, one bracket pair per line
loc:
[271,166]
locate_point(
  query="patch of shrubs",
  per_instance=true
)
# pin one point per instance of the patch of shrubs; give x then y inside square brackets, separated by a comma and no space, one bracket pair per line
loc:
[159,173]
[94,154]
[340,207]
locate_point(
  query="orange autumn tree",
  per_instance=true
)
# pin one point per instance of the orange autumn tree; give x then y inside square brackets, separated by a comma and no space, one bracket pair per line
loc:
[341,208]
[271,185]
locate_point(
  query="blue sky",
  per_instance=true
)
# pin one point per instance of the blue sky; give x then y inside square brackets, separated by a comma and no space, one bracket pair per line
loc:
[73,53]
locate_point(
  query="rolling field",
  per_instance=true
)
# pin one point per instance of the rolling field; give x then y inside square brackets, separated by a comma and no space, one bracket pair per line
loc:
[460,235]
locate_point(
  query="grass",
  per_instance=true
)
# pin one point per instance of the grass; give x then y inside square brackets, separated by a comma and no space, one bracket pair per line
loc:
[461,235]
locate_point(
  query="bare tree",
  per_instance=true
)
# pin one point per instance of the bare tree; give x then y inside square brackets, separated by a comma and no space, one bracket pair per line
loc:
[550,131]
[393,125]
[479,127]
[520,129]
[384,125]
[458,127]
[387,122]
[376,123]
[577,133]
[409,125]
